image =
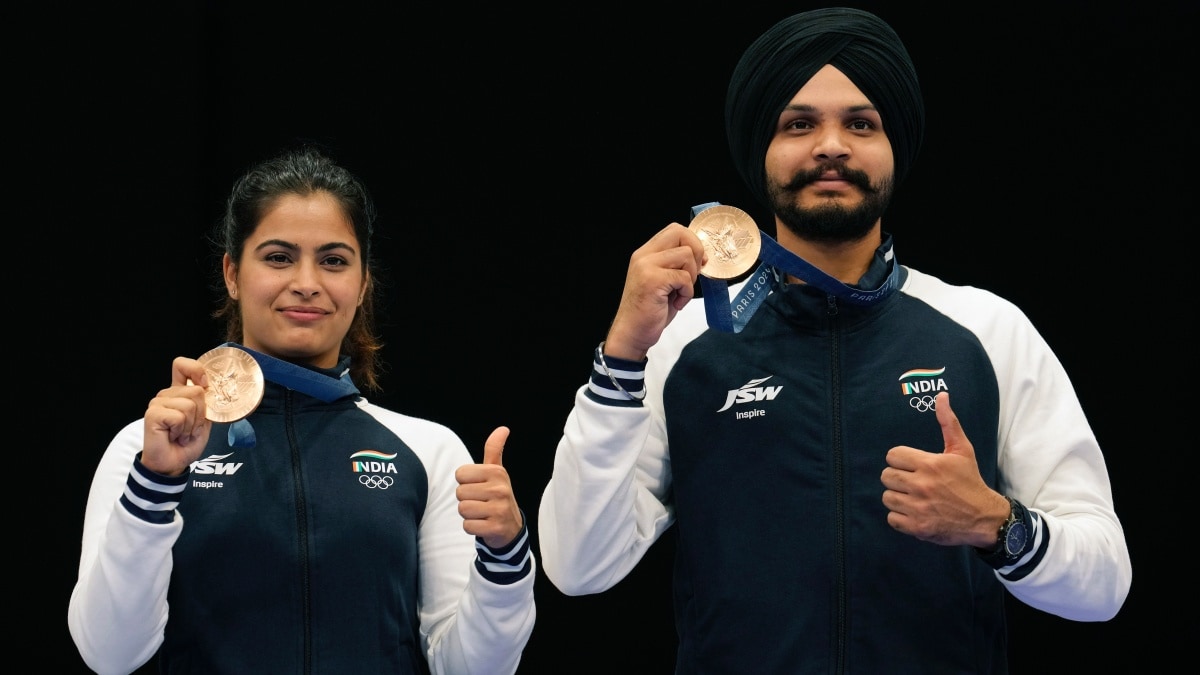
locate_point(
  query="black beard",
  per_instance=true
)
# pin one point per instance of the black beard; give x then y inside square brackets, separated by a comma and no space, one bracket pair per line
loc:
[831,223]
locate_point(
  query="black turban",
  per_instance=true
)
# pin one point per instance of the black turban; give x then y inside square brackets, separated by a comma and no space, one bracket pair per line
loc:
[780,62]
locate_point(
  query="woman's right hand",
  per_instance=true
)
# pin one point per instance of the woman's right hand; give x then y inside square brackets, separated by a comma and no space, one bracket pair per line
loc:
[176,429]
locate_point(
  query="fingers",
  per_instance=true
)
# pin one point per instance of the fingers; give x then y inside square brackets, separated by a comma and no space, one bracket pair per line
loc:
[675,236]
[176,428]
[179,411]
[674,247]
[660,281]
[938,497]
[187,371]
[945,414]
[489,477]
[955,439]
[485,496]
[493,447]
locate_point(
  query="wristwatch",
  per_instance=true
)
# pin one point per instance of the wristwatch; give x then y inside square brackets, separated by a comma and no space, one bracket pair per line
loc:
[1011,539]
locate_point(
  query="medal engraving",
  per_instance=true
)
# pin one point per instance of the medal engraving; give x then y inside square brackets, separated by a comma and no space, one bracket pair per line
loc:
[235,384]
[731,239]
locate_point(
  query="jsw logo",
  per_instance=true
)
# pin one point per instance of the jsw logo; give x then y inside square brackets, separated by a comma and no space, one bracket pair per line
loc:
[750,392]
[213,465]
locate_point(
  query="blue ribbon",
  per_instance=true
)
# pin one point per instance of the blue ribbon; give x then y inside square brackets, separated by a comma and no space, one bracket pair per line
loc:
[292,376]
[731,316]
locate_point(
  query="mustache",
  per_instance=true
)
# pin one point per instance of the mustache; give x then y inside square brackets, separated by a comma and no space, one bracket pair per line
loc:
[855,177]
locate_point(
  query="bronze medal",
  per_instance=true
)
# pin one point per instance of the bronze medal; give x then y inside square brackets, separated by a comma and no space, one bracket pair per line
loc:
[731,239]
[235,384]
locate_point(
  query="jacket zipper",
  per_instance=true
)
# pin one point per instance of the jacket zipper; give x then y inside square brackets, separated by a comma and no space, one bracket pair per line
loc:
[301,530]
[839,470]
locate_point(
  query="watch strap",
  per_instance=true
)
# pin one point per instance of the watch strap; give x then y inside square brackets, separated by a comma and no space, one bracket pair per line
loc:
[1012,539]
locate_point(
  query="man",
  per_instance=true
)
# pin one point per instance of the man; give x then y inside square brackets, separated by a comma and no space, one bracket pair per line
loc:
[860,459]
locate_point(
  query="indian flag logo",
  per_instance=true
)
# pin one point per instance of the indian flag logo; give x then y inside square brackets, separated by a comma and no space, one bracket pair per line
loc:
[365,461]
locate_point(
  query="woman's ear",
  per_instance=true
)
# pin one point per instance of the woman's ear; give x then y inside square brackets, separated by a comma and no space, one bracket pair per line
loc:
[229,271]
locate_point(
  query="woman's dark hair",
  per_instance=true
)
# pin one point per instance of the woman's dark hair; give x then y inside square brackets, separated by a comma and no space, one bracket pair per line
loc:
[305,171]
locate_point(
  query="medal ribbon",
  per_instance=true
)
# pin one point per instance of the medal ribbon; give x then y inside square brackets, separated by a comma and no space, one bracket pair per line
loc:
[732,317]
[292,376]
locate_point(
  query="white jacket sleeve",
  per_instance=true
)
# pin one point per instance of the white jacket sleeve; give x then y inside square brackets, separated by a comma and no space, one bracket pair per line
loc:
[609,495]
[118,607]
[604,505]
[1049,460]
[469,624]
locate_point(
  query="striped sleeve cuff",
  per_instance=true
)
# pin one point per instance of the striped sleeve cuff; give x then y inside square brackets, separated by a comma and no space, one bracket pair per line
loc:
[150,496]
[617,381]
[505,565]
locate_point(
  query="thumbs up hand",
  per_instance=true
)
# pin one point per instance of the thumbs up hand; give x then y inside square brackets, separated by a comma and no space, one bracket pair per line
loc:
[941,497]
[485,495]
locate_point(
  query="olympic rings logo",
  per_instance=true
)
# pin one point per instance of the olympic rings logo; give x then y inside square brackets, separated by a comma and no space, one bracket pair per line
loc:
[922,403]
[372,481]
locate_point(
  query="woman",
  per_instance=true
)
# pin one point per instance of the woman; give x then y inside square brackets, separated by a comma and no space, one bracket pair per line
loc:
[321,532]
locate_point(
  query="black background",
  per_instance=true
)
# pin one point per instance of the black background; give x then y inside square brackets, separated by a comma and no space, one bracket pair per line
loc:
[518,157]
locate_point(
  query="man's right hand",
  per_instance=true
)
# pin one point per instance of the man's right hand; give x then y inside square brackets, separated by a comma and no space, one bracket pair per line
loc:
[661,280]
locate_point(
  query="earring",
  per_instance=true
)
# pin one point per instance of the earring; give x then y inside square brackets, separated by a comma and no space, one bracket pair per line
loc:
[233,292]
